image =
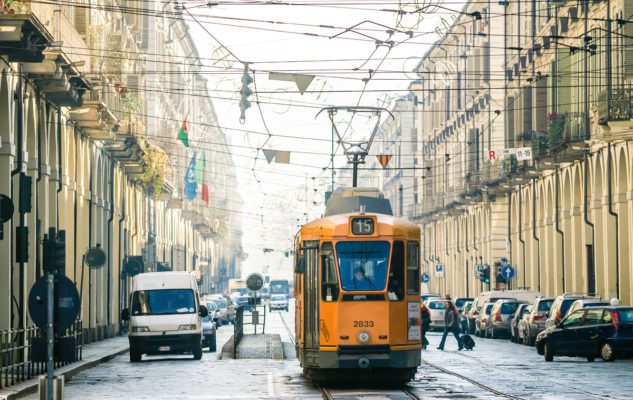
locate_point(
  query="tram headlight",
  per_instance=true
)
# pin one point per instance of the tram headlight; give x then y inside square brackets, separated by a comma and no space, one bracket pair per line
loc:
[363,336]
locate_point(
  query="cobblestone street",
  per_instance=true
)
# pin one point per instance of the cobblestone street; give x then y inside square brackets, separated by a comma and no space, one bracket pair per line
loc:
[495,369]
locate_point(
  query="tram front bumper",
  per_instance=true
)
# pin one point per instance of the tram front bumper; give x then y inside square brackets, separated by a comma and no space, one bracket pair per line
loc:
[369,358]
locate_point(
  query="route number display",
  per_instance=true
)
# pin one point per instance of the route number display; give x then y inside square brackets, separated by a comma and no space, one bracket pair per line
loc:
[362,226]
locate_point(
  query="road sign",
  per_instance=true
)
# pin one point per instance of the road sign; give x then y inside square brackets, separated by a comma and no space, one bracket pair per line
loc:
[66,302]
[439,270]
[480,267]
[507,272]
[504,262]
[95,257]
[255,282]
[425,278]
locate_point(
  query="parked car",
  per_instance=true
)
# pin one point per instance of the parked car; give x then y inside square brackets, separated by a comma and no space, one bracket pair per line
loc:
[535,322]
[482,319]
[500,319]
[278,302]
[223,307]
[426,296]
[604,331]
[560,306]
[476,307]
[437,308]
[463,316]
[523,309]
[460,301]
[209,333]
[214,312]
[584,303]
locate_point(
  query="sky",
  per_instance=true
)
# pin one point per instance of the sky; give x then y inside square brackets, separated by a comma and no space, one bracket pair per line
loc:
[360,52]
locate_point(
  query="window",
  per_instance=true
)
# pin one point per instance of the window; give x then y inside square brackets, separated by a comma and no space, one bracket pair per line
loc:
[437,305]
[607,318]
[509,308]
[593,317]
[413,268]
[161,302]
[574,319]
[329,279]
[363,265]
[396,274]
[545,305]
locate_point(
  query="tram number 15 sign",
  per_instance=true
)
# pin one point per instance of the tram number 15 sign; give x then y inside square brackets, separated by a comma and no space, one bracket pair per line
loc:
[362,226]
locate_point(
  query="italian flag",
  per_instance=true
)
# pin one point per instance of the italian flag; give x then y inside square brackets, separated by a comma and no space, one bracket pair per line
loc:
[183,134]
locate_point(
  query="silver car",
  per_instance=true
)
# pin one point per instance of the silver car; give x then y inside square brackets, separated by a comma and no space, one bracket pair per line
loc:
[582,303]
[437,308]
[500,319]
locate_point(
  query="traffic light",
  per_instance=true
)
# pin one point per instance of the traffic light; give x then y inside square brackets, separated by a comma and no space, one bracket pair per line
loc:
[499,275]
[484,275]
[55,251]
[245,93]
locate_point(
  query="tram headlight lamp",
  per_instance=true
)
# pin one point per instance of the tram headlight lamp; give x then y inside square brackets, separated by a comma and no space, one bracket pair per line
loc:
[363,336]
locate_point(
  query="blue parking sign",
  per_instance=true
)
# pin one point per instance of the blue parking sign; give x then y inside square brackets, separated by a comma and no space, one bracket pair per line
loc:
[425,278]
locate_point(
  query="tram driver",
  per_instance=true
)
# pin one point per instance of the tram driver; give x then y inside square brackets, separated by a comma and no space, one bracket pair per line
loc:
[361,282]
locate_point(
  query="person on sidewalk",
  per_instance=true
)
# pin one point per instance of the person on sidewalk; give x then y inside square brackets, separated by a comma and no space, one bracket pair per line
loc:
[451,324]
[425,317]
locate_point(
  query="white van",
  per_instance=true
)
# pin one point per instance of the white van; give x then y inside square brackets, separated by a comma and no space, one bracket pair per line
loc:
[165,315]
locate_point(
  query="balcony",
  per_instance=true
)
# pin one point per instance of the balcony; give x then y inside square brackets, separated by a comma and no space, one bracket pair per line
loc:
[25,32]
[96,117]
[616,114]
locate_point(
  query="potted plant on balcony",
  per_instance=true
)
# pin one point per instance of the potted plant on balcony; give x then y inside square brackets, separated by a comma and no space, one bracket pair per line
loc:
[155,161]
[540,143]
[555,130]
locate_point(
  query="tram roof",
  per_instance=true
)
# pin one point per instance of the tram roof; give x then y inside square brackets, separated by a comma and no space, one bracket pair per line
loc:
[337,225]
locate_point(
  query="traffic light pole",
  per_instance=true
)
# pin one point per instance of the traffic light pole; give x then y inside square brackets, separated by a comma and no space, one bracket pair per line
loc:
[50,365]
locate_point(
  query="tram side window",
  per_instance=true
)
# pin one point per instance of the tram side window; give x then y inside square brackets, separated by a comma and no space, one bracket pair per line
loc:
[396,274]
[329,279]
[413,268]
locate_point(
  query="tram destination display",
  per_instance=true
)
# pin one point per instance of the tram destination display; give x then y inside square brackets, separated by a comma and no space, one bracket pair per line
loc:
[362,226]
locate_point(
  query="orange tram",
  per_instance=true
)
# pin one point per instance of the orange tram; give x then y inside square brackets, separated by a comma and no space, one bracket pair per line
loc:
[357,291]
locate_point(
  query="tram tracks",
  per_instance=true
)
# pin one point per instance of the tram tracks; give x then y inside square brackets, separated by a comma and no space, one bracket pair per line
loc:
[540,378]
[333,394]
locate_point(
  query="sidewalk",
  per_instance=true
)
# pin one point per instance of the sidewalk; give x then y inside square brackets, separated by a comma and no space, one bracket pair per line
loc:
[93,355]
[256,347]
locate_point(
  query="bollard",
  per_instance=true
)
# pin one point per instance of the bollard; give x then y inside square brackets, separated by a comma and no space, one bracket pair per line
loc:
[58,388]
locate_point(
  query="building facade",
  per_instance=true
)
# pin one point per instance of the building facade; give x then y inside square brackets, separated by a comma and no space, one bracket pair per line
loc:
[551,77]
[90,121]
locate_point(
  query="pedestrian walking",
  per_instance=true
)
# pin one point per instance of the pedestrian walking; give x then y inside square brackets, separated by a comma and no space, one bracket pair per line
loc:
[451,325]
[425,317]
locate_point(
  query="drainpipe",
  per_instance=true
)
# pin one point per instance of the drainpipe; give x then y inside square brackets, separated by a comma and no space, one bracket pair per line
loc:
[90,180]
[617,225]
[38,225]
[19,99]
[521,233]
[110,247]
[586,201]
[120,258]
[558,230]
[536,238]
[59,162]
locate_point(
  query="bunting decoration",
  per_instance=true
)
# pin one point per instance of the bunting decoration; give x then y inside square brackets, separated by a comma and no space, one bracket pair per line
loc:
[191,187]
[183,134]
[383,159]
[279,156]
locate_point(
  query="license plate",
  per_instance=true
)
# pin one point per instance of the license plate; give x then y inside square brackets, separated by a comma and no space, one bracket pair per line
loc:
[164,348]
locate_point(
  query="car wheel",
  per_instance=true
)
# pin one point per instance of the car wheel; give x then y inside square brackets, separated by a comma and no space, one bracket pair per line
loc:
[135,355]
[591,359]
[197,351]
[548,352]
[606,352]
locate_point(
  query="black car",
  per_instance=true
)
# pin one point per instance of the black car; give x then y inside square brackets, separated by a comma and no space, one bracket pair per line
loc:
[591,332]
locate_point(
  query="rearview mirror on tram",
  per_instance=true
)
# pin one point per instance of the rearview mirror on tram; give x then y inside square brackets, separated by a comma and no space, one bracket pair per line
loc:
[300,264]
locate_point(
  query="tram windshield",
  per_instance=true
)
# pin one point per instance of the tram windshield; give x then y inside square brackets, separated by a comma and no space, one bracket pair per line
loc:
[363,265]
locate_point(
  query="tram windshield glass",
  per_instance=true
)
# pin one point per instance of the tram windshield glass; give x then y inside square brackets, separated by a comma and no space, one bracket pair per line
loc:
[363,265]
